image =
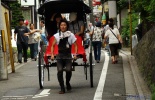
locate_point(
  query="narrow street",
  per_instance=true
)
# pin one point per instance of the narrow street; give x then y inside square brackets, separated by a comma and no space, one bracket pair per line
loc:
[109,83]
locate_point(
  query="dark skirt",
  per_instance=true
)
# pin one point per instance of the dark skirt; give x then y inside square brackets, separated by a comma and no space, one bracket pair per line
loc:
[114,49]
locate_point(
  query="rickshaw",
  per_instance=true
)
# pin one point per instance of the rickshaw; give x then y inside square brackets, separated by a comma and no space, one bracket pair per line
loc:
[62,6]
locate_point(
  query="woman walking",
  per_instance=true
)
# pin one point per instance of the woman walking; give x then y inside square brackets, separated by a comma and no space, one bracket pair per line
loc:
[114,39]
[32,42]
[97,41]
[64,39]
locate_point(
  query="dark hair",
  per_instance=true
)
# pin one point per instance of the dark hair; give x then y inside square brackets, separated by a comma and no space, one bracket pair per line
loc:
[31,24]
[58,15]
[42,21]
[64,22]
[21,19]
[98,24]
[111,24]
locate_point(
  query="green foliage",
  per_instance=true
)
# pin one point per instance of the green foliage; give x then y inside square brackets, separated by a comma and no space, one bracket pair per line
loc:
[28,53]
[126,26]
[153,96]
[16,13]
[145,7]
[121,4]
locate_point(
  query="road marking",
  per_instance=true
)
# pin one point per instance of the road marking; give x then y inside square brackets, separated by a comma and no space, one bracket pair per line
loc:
[100,87]
[44,93]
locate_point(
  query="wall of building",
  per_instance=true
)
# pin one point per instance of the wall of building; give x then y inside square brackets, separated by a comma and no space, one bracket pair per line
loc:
[7,53]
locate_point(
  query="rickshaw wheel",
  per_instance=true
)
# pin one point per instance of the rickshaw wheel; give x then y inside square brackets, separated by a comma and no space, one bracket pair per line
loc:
[41,69]
[91,69]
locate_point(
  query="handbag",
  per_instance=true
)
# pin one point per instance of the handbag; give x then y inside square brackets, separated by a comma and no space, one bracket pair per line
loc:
[119,44]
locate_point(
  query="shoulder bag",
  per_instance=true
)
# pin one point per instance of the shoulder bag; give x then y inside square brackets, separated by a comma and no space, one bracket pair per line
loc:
[119,44]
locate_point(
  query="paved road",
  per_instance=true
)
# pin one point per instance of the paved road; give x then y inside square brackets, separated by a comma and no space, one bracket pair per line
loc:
[108,83]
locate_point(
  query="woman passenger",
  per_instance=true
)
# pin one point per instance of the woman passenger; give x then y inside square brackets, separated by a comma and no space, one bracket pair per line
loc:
[64,39]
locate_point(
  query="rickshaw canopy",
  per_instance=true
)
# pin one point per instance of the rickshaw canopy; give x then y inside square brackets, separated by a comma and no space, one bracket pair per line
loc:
[63,6]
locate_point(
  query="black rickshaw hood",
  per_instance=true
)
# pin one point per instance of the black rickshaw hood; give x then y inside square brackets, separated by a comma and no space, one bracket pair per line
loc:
[63,6]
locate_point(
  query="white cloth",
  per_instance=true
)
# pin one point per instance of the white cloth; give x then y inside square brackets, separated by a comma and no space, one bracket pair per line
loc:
[71,37]
[37,36]
[112,38]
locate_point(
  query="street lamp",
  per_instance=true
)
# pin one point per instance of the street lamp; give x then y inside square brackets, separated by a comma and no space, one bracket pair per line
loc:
[130,18]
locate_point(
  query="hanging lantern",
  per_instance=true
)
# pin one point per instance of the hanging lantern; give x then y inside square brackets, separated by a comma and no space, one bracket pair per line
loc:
[104,19]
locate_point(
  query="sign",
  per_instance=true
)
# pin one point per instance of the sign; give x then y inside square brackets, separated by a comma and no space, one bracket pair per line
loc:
[27,2]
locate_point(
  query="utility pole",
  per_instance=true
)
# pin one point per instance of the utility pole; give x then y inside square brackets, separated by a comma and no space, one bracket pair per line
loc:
[3,68]
[91,14]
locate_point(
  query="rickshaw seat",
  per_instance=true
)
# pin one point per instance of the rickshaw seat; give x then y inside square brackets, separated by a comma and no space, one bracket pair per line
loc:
[80,52]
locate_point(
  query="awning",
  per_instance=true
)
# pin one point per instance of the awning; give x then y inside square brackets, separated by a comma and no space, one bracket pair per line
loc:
[63,6]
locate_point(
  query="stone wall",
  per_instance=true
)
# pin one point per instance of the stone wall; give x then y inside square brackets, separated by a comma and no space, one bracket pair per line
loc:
[144,53]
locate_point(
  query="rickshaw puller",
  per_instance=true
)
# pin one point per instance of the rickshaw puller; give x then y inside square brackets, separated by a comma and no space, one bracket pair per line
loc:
[64,39]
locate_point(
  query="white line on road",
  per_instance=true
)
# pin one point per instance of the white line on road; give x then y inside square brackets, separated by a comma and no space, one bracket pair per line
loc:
[100,87]
[44,93]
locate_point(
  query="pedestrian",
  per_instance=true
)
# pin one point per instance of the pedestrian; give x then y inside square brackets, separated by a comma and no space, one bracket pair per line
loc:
[43,32]
[87,39]
[114,39]
[26,23]
[22,40]
[33,44]
[106,41]
[64,39]
[97,41]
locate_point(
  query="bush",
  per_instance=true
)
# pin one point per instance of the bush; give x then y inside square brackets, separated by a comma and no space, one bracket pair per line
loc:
[126,28]
[14,50]
[28,53]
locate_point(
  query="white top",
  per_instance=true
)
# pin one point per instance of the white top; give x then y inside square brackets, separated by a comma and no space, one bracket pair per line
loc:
[43,29]
[71,38]
[87,35]
[112,38]
[31,38]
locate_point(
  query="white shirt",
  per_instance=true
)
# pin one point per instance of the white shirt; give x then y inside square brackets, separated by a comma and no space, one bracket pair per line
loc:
[31,38]
[71,38]
[112,38]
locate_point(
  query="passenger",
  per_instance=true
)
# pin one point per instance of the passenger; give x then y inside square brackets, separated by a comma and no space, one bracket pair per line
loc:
[64,39]
[43,32]
[77,27]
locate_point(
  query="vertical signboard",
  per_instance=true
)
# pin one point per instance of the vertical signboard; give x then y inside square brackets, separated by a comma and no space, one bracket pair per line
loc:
[27,2]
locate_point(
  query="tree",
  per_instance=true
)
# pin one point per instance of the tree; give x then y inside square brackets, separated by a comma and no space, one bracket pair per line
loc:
[16,13]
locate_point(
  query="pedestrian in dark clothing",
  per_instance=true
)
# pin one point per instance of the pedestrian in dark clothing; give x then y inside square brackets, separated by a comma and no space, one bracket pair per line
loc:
[64,39]
[22,40]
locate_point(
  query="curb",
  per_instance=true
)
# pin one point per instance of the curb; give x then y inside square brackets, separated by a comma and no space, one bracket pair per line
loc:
[138,79]
[17,66]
